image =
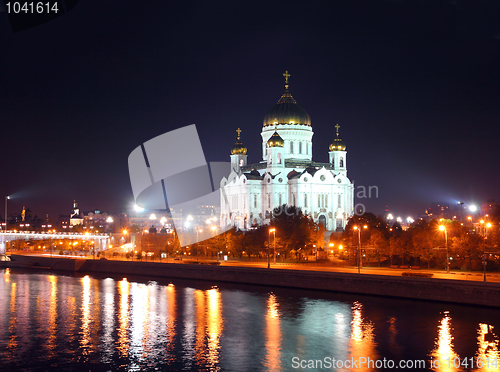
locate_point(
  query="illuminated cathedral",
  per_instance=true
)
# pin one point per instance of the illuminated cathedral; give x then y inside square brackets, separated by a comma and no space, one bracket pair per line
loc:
[287,174]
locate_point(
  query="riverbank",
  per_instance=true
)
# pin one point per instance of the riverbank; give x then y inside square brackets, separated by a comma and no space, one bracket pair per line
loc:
[456,291]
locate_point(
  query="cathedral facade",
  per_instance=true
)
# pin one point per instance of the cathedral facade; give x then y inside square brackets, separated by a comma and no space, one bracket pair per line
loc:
[286,174]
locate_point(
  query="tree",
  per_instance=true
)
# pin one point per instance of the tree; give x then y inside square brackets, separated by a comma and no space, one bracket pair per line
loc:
[423,241]
[379,243]
[254,240]
[468,246]
[294,229]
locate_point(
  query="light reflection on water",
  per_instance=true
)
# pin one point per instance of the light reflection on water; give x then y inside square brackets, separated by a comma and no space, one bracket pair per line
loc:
[444,352]
[487,350]
[123,341]
[362,342]
[50,322]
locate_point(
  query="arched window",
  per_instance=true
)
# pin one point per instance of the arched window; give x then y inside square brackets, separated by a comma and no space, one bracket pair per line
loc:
[326,201]
[305,200]
[279,158]
[319,200]
[341,162]
[340,202]
[307,149]
[293,199]
[269,201]
[280,203]
[255,200]
[291,147]
[300,147]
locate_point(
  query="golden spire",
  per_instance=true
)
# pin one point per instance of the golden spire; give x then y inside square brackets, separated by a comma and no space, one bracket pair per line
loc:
[286,75]
[337,143]
[238,148]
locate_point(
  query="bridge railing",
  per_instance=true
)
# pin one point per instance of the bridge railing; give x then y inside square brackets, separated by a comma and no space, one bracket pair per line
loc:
[62,234]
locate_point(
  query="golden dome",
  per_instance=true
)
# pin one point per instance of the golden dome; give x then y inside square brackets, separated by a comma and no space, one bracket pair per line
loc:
[337,143]
[287,110]
[276,140]
[238,148]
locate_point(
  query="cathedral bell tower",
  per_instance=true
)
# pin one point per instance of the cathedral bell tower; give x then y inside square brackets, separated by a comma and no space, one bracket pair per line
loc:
[275,147]
[338,153]
[238,154]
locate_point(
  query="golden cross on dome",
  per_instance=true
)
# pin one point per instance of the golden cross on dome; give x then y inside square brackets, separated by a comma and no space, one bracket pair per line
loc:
[337,127]
[239,133]
[286,75]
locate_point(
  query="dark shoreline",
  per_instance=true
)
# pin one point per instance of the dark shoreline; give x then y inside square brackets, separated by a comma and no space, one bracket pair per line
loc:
[442,290]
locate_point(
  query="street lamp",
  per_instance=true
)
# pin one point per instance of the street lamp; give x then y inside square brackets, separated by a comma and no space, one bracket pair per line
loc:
[487,226]
[6,198]
[460,203]
[273,230]
[197,241]
[268,245]
[359,246]
[442,228]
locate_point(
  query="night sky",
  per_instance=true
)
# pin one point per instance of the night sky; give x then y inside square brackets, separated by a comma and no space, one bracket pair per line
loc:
[413,84]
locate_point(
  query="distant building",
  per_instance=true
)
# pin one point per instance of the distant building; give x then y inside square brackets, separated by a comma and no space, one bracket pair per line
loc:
[158,219]
[75,218]
[439,210]
[491,208]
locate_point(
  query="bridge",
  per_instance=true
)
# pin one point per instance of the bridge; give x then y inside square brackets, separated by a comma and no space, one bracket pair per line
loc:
[101,241]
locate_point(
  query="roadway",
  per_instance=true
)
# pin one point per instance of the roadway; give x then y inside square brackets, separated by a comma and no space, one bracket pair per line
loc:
[437,274]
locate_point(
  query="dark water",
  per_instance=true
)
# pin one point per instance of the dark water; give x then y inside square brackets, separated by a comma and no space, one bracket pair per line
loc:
[61,323]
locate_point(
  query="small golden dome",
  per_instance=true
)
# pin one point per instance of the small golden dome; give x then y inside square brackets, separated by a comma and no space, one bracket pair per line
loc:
[276,140]
[238,148]
[337,143]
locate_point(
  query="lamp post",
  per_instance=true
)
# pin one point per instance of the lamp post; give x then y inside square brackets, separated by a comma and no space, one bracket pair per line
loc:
[461,203]
[6,198]
[359,246]
[197,242]
[268,244]
[273,230]
[442,228]
[488,225]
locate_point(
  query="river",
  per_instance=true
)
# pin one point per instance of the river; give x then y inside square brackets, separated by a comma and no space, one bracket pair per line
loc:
[52,322]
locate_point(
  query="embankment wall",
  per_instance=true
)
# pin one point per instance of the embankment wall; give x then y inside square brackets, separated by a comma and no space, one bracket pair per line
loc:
[457,291]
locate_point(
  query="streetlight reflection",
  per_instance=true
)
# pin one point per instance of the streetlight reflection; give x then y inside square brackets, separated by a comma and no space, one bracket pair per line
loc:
[487,348]
[123,317]
[272,361]
[444,348]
